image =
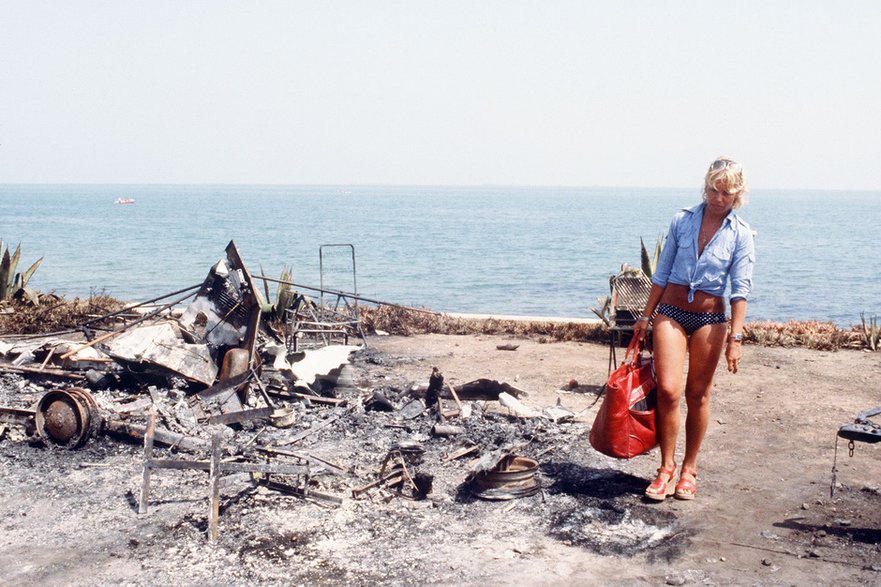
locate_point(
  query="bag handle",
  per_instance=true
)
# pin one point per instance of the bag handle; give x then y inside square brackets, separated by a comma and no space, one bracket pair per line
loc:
[635,346]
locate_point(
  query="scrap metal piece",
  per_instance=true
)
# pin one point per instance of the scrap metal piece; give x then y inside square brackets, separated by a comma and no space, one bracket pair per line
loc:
[446,430]
[868,432]
[158,345]
[398,473]
[226,310]
[412,409]
[19,417]
[67,417]
[283,417]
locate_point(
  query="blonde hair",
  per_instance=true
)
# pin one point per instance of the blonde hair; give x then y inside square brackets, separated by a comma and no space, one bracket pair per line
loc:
[726,175]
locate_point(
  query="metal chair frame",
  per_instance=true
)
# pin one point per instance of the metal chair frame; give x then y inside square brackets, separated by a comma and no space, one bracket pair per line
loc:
[629,296]
[334,318]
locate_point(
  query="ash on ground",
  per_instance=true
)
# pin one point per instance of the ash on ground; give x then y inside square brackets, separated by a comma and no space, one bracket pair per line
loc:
[340,525]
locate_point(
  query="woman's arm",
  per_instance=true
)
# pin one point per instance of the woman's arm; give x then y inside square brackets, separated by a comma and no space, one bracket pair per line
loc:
[733,352]
[640,329]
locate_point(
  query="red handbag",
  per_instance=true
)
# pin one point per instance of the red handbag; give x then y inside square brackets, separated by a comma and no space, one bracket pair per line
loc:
[625,425]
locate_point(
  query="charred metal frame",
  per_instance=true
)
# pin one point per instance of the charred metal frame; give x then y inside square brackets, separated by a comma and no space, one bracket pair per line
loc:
[215,467]
[321,325]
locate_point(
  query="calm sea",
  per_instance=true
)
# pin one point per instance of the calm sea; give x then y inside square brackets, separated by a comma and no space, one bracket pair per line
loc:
[506,250]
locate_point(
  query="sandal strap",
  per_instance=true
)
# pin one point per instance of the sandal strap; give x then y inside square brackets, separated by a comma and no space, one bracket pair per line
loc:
[659,484]
[670,472]
[686,486]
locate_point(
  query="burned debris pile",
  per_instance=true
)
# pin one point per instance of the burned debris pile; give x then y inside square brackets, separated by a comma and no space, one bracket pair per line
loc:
[270,397]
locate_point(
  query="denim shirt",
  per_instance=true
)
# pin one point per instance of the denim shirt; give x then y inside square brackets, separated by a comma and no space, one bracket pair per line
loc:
[730,253]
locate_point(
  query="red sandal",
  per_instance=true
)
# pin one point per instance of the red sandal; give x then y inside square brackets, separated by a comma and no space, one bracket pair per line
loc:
[660,489]
[686,488]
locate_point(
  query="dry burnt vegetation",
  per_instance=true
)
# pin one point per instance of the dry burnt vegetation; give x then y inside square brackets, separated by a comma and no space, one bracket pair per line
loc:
[406,321]
[55,313]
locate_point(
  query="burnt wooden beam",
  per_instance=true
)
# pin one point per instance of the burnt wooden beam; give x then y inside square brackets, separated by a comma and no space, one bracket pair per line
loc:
[138,432]
[241,416]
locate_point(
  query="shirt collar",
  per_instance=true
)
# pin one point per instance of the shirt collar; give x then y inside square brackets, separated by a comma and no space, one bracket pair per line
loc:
[698,211]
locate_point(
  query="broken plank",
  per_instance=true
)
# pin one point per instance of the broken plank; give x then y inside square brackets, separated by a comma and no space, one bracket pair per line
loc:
[461,452]
[317,399]
[455,396]
[313,495]
[16,416]
[224,386]
[148,454]
[135,406]
[392,478]
[229,467]
[304,456]
[161,436]
[92,343]
[310,431]
[241,416]
[214,491]
[46,371]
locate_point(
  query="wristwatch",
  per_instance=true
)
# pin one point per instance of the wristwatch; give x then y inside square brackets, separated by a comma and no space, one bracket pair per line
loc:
[736,337]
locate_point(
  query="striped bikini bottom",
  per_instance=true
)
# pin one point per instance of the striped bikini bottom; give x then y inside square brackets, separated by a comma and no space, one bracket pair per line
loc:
[690,321]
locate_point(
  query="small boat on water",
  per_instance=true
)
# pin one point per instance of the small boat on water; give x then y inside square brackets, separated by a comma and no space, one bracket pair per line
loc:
[124,201]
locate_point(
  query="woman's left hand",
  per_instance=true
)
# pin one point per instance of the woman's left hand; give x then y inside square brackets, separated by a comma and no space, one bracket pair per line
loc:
[733,353]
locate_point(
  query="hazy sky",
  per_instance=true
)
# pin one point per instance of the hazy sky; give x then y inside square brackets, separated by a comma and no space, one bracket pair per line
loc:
[446,92]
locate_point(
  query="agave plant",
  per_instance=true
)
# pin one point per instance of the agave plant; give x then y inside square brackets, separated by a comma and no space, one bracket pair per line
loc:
[650,263]
[10,281]
[871,332]
[285,295]
[603,311]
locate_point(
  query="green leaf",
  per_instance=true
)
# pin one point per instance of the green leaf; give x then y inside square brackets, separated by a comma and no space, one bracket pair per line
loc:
[659,246]
[26,276]
[15,257]
[644,258]
[6,279]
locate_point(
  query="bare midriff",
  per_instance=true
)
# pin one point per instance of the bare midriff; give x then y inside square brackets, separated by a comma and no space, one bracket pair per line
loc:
[677,295]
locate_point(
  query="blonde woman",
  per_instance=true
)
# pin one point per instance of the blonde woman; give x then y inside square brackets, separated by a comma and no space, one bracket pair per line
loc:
[708,246]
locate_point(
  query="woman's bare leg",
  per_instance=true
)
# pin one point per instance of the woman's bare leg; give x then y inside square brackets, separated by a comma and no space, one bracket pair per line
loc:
[669,345]
[704,350]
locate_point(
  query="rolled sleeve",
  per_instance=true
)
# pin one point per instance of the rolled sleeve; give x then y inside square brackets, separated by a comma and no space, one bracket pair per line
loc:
[742,266]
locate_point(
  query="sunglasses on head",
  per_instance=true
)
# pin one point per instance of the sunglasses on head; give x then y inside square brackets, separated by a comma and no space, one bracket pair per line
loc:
[724,164]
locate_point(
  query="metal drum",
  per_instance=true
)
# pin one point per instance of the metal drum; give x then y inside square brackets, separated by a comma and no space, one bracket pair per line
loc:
[513,477]
[67,417]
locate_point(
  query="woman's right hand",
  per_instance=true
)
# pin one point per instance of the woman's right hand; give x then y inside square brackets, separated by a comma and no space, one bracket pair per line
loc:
[640,329]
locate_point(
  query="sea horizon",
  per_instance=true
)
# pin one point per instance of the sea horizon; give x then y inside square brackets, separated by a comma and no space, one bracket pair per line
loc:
[487,249]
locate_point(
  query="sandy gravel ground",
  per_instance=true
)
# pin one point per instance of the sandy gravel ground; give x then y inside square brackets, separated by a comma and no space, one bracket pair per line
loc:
[763,516]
